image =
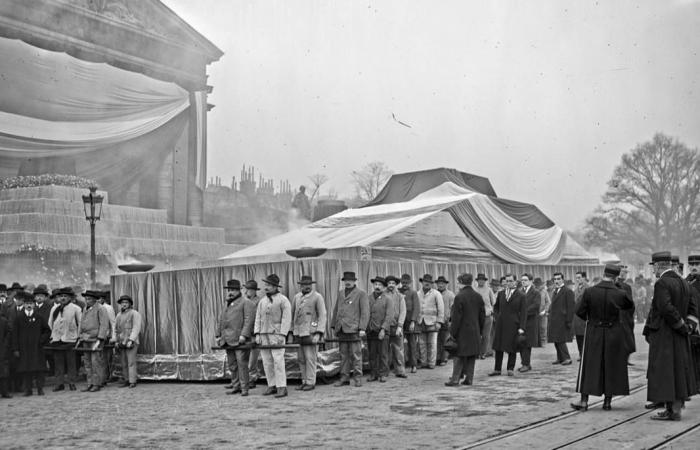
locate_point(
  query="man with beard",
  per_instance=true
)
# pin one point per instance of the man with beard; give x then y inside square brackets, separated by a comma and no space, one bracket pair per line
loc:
[273,320]
[579,324]
[308,327]
[127,329]
[251,293]
[511,311]
[94,326]
[397,317]
[603,369]
[673,316]
[561,315]
[448,297]
[64,321]
[466,328]
[532,331]
[410,322]
[432,314]
[30,333]
[377,329]
[350,319]
[233,329]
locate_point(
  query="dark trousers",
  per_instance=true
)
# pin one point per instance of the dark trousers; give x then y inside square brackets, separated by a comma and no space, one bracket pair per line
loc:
[31,376]
[4,386]
[350,355]
[444,332]
[579,344]
[410,350]
[378,354]
[525,355]
[499,361]
[562,351]
[238,366]
[463,365]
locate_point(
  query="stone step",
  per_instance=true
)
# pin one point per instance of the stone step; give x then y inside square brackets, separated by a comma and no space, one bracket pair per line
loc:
[54,192]
[61,207]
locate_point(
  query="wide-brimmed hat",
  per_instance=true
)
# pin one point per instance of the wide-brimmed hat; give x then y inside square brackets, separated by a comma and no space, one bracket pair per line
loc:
[63,291]
[389,278]
[378,280]
[126,298]
[441,279]
[233,284]
[349,276]
[426,279]
[252,285]
[272,280]
[306,279]
[693,259]
[41,290]
[93,294]
[406,277]
[660,257]
[481,276]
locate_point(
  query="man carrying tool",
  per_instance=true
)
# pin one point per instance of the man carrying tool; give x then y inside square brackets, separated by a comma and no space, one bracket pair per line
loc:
[234,329]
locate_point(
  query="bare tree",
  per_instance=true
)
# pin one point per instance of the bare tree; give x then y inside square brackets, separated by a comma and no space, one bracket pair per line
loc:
[317,180]
[370,179]
[652,202]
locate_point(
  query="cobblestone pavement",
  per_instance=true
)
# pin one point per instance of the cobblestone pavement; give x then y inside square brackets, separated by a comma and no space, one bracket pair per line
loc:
[402,413]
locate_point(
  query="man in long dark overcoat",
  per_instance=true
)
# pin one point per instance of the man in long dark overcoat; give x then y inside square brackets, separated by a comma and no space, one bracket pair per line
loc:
[603,369]
[511,311]
[627,315]
[5,352]
[468,316]
[30,333]
[672,317]
[532,329]
[561,316]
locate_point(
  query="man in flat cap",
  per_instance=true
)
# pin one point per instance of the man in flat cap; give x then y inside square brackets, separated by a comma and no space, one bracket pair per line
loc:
[29,335]
[233,329]
[251,293]
[397,317]
[273,321]
[377,330]
[94,326]
[410,322]
[64,321]
[604,363]
[432,316]
[127,329]
[350,318]
[308,326]
[448,297]
[672,318]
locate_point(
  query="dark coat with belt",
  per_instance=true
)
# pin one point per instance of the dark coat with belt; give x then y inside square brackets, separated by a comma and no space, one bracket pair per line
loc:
[603,367]
[468,315]
[29,335]
[5,347]
[532,328]
[670,370]
[627,318]
[511,315]
[561,316]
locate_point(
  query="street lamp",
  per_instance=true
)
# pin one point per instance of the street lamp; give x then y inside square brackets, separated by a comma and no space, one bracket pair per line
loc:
[92,203]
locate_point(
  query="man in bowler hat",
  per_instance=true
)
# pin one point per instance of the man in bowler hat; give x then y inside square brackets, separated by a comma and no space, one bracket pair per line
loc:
[308,327]
[350,318]
[234,329]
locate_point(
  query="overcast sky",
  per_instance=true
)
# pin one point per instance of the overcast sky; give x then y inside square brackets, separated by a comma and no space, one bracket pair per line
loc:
[542,97]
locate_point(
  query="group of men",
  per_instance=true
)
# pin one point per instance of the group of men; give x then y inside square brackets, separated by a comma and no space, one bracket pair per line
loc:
[42,332]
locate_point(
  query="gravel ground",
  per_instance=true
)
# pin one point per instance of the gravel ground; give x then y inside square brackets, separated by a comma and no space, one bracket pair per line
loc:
[402,413]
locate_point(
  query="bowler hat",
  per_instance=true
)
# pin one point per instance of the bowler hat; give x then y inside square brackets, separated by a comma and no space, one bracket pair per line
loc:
[441,279]
[391,278]
[379,280]
[426,279]
[481,276]
[41,289]
[692,259]
[93,294]
[126,298]
[63,291]
[24,296]
[233,284]
[272,280]
[3,287]
[612,269]
[406,277]
[675,259]
[306,279]
[252,285]
[349,276]
[660,257]
[16,287]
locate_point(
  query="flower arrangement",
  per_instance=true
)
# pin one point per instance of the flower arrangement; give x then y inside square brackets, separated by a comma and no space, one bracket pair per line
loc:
[46,180]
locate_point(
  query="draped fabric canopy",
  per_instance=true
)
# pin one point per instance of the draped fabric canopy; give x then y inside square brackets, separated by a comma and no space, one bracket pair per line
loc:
[484,224]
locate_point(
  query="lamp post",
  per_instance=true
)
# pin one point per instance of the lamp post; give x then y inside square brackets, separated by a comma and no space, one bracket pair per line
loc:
[92,203]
